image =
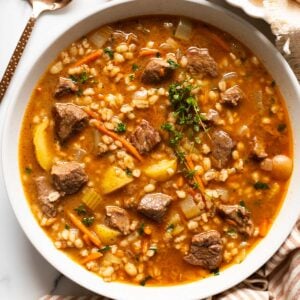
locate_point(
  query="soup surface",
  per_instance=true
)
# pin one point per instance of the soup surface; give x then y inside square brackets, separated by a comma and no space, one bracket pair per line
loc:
[156,151]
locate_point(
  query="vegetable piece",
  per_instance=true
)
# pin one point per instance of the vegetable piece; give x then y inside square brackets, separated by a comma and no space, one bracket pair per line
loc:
[121,127]
[89,58]
[189,208]
[100,37]
[113,179]
[88,221]
[163,170]
[184,29]
[261,185]
[107,235]
[112,134]
[91,198]
[148,51]
[43,152]
[91,257]
[112,259]
[77,222]
[282,167]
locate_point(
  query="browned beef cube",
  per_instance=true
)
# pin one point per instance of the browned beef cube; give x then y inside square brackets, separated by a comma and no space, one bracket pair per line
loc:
[154,206]
[118,218]
[239,215]
[156,71]
[222,145]
[47,196]
[69,119]
[232,96]
[64,87]
[200,62]
[144,137]
[206,250]
[68,177]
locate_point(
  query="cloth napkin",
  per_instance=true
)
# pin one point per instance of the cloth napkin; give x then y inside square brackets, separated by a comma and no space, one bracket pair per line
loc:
[279,278]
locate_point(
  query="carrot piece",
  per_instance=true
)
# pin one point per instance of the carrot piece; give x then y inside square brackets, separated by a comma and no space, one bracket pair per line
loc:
[180,181]
[148,51]
[110,133]
[89,58]
[86,239]
[91,257]
[92,235]
[190,166]
[263,228]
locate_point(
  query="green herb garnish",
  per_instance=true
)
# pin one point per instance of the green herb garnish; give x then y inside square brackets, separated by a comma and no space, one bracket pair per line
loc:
[88,221]
[231,232]
[67,226]
[281,127]
[261,185]
[173,64]
[131,77]
[175,135]
[121,127]
[135,67]
[153,248]
[104,249]
[216,272]
[141,229]
[28,170]
[144,281]
[128,172]
[109,52]
[81,210]
[80,78]
[170,228]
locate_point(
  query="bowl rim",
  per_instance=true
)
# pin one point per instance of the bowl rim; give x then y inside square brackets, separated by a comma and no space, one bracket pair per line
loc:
[40,240]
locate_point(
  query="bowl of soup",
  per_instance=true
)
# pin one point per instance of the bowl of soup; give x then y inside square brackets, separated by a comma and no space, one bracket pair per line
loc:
[154,151]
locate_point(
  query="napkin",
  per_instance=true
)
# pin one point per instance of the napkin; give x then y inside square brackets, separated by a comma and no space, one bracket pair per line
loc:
[279,278]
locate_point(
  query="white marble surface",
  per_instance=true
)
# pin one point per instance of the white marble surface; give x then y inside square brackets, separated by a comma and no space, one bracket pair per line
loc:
[24,273]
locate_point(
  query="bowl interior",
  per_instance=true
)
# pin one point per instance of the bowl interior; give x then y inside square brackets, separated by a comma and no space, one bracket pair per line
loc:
[117,10]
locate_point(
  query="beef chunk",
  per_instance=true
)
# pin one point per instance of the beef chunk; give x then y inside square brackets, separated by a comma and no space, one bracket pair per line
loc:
[206,250]
[258,149]
[47,196]
[154,206]
[64,87]
[222,145]
[144,137]
[68,177]
[69,119]
[200,62]
[239,216]
[232,96]
[212,117]
[117,217]
[156,71]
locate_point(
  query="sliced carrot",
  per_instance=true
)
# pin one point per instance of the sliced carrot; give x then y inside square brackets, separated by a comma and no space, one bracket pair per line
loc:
[263,228]
[180,181]
[110,133]
[190,166]
[91,257]
[148,51]
[92,235]
[86,239]
[89,58]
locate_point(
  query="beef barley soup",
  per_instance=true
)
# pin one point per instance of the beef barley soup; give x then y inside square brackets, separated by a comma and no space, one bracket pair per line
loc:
[156,151]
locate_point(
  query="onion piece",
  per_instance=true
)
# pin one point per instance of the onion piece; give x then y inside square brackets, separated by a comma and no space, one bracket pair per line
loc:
[184,29]
[100,37]
[229,75]
[189,208]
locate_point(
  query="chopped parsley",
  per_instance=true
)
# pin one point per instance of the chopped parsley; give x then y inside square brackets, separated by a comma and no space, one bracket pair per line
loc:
[231,232]
[28,170]
[190,174]
[104,249]
[141,229]
[88,221]
[145,280]
[128,172]
[173,64]
[216,272]
[170,228]
[121,127]
[80,78]
[259,185]
[175,135]
[109,52]
[131,77]
[135,67]
[281,127]
[81,210]
[195,185]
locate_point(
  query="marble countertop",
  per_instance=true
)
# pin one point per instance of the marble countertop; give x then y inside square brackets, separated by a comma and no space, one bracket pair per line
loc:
[24,273]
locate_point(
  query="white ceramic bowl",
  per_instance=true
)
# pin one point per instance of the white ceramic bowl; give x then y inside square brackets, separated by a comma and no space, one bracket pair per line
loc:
[251,8]
[111,12]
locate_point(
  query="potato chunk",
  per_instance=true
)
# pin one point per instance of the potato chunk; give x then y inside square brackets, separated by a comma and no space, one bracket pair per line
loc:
[113,179]
[162,170]
[43,151]
[107,235]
